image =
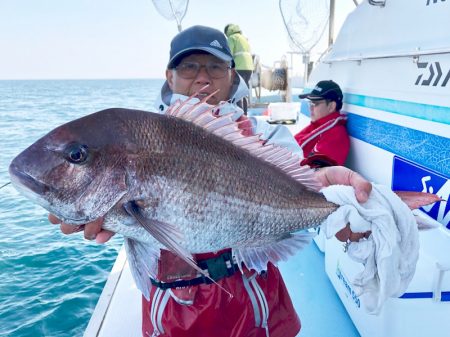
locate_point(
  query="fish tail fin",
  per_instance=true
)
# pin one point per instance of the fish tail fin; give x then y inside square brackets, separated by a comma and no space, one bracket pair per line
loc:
[416,200]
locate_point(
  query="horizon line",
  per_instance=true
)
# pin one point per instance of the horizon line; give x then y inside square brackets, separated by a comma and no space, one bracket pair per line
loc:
[81,79]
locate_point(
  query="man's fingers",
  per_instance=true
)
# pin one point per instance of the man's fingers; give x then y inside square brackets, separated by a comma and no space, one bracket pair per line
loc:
[92,229]
[333,175]
[245,125]
[53,219]
[69,229]
[362,186]
[339,175]
[104,236]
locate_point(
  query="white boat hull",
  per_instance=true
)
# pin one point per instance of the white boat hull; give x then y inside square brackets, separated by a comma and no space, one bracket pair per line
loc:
[393,64]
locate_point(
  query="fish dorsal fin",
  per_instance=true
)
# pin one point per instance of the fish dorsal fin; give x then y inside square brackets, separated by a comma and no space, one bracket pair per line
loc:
[207,116]
[279,249]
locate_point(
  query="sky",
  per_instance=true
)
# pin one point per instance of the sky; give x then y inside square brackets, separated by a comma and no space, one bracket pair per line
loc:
[105,39]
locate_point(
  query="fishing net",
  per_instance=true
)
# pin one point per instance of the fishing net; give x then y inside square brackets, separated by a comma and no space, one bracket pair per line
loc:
[305,22]
[172,9]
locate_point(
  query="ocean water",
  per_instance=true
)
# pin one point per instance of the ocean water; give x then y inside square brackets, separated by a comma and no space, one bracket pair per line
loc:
[50,282]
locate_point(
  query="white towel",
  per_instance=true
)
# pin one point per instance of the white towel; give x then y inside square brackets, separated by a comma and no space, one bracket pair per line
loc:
[390,254]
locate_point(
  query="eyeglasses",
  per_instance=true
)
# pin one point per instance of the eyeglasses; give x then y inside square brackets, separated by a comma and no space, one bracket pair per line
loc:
[189,70]
[317,103]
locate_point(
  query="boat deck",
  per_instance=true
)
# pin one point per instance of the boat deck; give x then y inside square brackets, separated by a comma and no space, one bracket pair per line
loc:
[118,312]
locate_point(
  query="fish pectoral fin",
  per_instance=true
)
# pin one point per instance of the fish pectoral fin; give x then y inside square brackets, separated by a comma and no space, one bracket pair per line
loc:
[165,233]
[277,249]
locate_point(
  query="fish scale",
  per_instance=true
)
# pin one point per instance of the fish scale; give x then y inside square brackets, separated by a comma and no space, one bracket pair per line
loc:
[216,165]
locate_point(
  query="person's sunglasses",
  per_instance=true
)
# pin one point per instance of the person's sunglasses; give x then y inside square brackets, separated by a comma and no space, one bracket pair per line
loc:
[189,70]
[317,103]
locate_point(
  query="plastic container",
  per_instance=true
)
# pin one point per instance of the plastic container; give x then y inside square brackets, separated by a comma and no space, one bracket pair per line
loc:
[281,112]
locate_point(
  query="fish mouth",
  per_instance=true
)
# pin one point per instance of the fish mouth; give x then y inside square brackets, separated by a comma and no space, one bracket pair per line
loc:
[20,178]
[35,190]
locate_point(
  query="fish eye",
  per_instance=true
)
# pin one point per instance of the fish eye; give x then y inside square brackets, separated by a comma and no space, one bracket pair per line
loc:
[77,153]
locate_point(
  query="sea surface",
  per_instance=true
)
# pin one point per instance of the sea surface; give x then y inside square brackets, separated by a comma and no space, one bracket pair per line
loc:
[50,282]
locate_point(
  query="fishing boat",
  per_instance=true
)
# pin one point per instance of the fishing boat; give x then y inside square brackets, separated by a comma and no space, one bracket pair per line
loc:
[392,61]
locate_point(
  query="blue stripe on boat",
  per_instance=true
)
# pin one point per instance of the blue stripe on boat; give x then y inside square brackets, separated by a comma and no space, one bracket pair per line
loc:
[427,112]
[423,148]
[445,295]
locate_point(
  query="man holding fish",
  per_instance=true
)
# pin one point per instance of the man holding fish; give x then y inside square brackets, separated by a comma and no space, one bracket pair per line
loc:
[185,303]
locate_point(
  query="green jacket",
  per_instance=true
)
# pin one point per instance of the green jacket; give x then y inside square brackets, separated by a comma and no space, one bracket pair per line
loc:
[240,48]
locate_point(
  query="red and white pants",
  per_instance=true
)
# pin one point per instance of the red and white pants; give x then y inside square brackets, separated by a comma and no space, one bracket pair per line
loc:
[260,306]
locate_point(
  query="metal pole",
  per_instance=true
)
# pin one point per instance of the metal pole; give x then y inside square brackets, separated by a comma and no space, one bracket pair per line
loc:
[331,24]
[306,63]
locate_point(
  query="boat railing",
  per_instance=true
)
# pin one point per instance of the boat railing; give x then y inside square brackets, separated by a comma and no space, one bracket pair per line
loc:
[414,54]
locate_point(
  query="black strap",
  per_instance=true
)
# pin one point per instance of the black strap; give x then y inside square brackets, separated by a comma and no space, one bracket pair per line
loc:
[216,267]
[180,283]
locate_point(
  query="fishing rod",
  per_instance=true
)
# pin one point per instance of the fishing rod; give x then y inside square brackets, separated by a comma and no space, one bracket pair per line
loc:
[5,185]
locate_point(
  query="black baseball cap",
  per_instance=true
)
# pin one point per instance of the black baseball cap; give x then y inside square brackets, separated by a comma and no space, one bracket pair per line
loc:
[325,90]
[202,38]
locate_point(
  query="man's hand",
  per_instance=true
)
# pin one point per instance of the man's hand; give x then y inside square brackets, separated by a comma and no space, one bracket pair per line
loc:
[92,230]
[245,125]
[339,175]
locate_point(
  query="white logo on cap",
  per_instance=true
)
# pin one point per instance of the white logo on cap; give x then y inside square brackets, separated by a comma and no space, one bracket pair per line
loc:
[319,89]
[216,44]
